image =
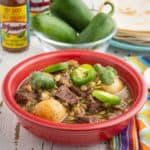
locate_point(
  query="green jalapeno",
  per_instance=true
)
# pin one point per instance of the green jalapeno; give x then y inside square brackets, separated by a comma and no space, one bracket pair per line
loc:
[106,97]
[56,67]
[41,80]
[83,74]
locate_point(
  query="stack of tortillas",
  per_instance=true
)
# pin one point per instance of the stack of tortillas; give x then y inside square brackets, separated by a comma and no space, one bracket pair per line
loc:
[133,21]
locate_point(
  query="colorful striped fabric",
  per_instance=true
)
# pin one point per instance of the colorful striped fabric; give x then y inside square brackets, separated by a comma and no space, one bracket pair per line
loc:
[137,135]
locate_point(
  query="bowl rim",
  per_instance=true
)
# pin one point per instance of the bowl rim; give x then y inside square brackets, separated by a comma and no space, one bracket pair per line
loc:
[11,103]
[41,37]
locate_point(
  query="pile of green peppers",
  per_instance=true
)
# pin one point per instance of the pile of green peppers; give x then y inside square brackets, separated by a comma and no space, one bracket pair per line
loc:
[73,22]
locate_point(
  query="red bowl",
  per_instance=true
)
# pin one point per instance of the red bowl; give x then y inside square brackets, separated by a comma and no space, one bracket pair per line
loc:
[73,134]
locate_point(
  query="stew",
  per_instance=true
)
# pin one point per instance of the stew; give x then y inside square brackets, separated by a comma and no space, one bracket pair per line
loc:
[70,92]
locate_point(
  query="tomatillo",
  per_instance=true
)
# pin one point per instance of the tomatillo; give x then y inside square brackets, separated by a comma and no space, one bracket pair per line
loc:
[42,80]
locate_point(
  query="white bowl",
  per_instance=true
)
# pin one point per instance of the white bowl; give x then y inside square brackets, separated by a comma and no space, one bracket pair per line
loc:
[100,45]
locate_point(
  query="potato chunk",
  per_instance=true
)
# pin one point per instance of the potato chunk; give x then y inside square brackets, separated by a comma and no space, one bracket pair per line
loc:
[51,110]
[113,88]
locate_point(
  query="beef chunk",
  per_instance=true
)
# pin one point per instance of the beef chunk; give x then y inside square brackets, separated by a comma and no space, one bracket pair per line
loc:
[93,106]
[77,91]
[23,97]
[66,95]
[88,119]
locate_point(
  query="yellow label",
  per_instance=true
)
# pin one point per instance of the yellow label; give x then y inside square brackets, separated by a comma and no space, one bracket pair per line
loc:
[13,14]
[14,26]
[14,41]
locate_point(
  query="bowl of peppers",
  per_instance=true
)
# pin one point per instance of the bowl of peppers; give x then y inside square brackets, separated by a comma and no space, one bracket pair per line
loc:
[74,25]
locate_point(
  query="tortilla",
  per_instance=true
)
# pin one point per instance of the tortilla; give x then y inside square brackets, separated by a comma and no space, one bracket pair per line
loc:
[133,15]
[133,41]
[131,35]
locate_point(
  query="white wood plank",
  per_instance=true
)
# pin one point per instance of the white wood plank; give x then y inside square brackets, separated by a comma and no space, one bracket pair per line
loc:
[61,147]
[7,129]
[47,145]
[29,142]
[101,146]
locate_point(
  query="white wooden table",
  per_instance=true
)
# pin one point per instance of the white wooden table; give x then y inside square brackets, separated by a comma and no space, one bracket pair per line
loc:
[12,135]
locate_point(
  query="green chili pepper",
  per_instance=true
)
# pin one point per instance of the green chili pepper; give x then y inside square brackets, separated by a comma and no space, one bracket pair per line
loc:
[106,97]
[56,67]
[41,80]
[83,74]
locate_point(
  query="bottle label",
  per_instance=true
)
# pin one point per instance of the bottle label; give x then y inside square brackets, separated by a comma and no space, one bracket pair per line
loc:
[14,26]
[38,6]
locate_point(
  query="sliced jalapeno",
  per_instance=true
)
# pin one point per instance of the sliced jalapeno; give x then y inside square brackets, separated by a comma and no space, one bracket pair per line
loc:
[83,74]
[56,67]
[106,97]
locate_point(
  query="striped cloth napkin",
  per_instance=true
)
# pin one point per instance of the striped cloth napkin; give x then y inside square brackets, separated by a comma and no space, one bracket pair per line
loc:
[137,135]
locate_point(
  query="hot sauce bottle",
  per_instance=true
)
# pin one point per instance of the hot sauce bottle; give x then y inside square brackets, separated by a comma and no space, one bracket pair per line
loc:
[14,18]
[38,6]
